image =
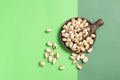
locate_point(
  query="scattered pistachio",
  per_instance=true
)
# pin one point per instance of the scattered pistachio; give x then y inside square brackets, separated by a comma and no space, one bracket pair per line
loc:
[74,54]
[50,58]
[48,50]
[72,57]
[61,67]
[85,59]
[54,60]
[90,50]
[78,57]
[48,30]
[49,43]
[54,45]
[82,56]
[52,53]
[79,66]
[74,61]
[46,55]
[57,56]
[42,63]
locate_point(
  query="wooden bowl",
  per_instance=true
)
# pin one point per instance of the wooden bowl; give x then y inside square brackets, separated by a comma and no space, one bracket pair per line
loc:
[92,27]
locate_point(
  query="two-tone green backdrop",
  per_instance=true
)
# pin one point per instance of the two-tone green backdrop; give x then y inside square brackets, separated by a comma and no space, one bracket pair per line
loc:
[22,39]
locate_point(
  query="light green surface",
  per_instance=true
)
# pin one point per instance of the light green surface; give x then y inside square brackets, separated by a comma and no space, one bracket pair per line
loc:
[22,38]
[104,60]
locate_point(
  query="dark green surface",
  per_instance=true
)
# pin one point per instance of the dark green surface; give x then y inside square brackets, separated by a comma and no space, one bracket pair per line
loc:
[23,38]
[104,60]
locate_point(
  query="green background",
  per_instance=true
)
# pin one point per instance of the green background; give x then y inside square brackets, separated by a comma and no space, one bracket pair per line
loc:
[23,38]
[104,60]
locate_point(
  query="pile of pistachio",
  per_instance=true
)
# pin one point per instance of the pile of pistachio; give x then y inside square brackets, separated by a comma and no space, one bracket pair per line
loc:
[76,35]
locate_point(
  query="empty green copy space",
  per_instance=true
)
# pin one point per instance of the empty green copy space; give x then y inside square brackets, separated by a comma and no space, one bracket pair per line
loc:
[23,39]
[104,60]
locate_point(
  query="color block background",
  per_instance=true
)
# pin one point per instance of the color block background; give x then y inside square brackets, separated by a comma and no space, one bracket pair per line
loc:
[23,38]
[104,60]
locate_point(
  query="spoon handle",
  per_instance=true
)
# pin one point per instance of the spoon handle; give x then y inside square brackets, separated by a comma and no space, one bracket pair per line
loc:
[98,23]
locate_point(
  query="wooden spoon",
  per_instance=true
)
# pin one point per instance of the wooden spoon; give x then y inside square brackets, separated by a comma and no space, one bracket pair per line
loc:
[93,27]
